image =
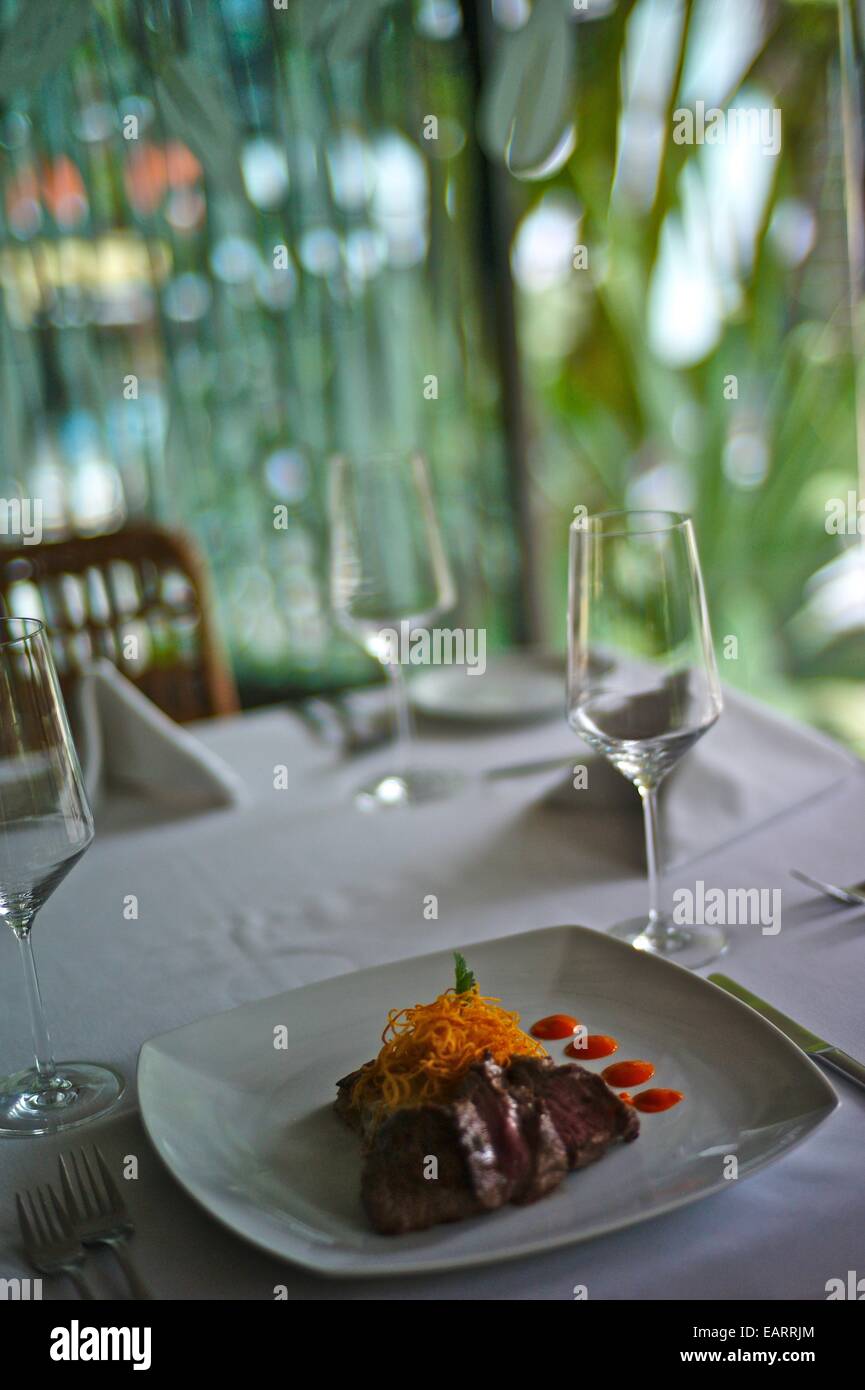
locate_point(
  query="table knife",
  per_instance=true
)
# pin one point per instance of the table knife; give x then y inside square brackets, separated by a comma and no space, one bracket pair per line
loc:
[818,1048]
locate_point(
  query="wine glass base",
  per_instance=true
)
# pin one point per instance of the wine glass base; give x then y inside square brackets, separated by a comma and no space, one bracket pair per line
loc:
[410,788]
[690,946]
[78,1092]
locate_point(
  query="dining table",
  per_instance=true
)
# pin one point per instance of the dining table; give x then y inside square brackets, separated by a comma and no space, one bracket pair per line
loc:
[174,915]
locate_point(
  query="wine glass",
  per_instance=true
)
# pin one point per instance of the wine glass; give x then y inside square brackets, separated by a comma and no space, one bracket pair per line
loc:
[45,827]
[642,681]
[390,578]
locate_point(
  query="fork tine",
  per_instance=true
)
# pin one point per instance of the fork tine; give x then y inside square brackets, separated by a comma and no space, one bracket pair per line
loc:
[35,1218]
[60,1213]
[68,1193]
[53,1233]
[90,1201]
[100,1201]
[110,1185]
[28,1235]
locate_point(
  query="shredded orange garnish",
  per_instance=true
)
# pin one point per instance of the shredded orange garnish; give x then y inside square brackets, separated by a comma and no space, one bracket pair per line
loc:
[429,1047]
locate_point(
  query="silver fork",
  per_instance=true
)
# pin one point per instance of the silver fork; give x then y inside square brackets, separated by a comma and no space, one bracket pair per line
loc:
[51,1244]
[98,1212]
[853,894]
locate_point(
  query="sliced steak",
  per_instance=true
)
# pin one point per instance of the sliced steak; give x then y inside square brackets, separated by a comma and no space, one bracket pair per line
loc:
[549,1155]
[505,1136]
[514,1150]
[587,1114]
[352,1116]
[486,1148]
[498,1153]
[396,1194]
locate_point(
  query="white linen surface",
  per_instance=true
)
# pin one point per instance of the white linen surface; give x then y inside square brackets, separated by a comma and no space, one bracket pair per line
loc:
[298,885]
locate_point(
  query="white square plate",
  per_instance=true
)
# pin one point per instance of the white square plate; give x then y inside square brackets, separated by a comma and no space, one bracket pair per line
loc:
[248,1128]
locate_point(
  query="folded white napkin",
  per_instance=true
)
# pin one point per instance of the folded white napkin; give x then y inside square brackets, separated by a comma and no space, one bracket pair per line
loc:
[753,765]
[128,748]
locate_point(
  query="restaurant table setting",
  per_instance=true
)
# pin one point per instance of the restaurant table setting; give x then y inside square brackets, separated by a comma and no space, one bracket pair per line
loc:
[268,891]
[297,886]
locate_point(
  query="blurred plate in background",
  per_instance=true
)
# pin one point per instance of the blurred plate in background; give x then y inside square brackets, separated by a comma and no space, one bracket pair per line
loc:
[516,687]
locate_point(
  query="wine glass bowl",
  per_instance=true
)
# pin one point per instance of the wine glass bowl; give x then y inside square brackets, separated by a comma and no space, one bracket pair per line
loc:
[389,578]
[388,560]
[46,825]
[636,599]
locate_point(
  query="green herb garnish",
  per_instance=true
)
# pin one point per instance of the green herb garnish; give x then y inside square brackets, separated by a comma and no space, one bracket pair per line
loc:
[465,977]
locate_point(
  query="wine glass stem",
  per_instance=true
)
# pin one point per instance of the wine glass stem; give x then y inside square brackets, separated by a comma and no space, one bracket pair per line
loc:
[649,797]
[402,714]
[42,1050]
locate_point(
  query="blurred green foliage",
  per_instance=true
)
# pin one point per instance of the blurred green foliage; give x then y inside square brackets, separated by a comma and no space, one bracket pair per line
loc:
[306,127]
[615,424]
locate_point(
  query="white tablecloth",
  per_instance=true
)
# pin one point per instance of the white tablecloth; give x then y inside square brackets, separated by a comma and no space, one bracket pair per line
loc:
[298,885]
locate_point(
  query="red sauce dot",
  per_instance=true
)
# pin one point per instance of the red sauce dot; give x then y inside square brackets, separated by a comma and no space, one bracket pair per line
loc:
[595,1045]
[657,1098]
[555,1026]
[628,1073]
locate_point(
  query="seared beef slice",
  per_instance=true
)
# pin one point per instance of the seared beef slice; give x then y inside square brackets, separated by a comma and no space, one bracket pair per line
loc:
[504,1137]
[395,1193]
[501,1140]
[352,1116]
[487,1151]
[588,1116]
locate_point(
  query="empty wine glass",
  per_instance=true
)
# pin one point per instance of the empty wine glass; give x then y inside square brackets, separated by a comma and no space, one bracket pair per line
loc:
[389,578]
[636,600]
[45,827]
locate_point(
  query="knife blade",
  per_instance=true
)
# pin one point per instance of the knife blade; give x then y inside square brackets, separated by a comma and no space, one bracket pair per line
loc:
[814,1046]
